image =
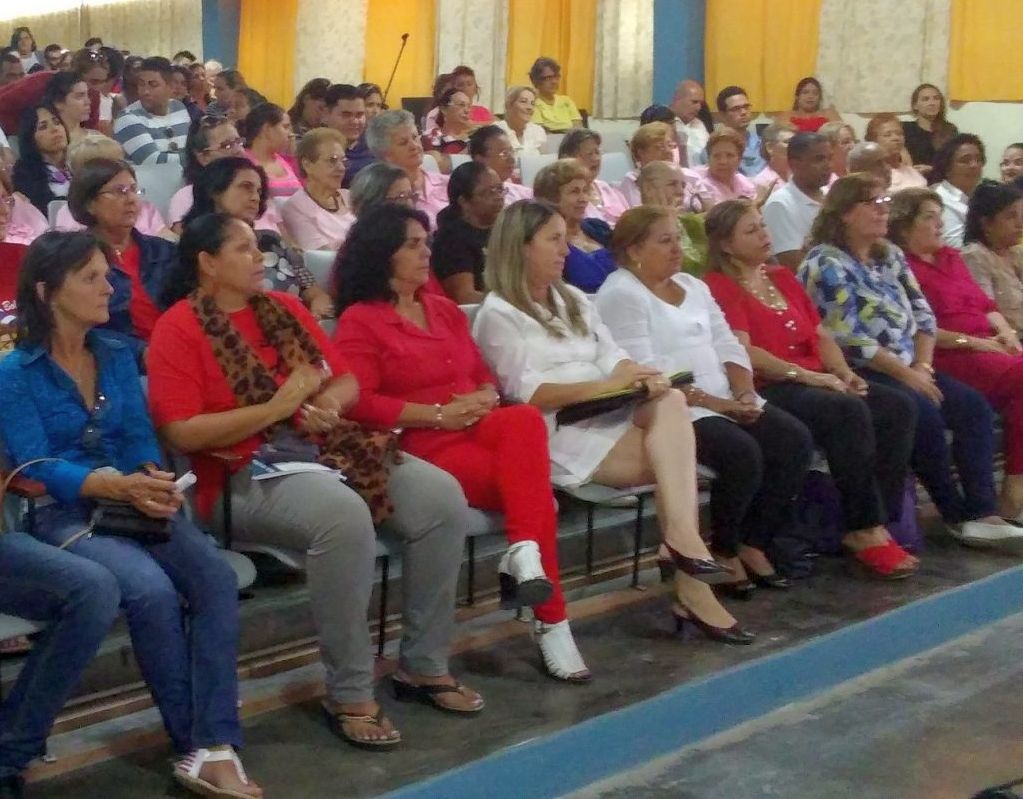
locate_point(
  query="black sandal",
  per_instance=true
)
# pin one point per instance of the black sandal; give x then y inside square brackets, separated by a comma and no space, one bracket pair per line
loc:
[336,722]
[427,695]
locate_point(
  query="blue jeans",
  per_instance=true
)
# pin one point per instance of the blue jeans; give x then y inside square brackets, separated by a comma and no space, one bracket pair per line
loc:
[189,670]
[77,599]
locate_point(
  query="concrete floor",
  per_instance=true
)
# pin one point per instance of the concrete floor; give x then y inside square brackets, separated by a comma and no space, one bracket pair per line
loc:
[940,726]
[634,656]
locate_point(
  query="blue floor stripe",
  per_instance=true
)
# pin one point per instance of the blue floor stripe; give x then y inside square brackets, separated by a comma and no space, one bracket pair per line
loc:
[554,765]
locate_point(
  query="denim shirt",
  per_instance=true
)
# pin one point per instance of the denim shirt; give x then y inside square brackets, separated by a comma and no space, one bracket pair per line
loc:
[157,259]
[753,161]
[43,415]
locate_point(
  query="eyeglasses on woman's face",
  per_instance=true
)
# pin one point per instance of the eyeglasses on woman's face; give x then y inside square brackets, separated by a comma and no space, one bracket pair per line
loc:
[123,192]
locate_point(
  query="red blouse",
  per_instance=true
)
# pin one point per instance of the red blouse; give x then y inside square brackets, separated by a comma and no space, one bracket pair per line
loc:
[396,361]
[185,379]
[958,302]
[790,334]
[142,309]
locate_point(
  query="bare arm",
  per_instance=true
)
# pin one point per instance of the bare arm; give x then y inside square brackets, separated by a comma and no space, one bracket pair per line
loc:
[461,288]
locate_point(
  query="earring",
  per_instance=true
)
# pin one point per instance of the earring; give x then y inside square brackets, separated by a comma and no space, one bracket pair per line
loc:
[639,266]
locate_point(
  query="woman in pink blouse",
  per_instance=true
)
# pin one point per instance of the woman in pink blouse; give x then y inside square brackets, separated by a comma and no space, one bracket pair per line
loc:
[268,139]
[975,343]
[721,179]
[318,215]
[24,222]
[774,147]
[886,130]
[606,202]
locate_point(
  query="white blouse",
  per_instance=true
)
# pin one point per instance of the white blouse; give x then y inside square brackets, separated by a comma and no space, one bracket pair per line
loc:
[533,138]
[524,356]
[954,205]
[693,336]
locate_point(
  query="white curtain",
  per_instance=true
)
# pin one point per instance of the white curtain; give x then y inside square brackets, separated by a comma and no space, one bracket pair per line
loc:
[873,53]
[475,33]
[330,41]
[623,83]
[145,27]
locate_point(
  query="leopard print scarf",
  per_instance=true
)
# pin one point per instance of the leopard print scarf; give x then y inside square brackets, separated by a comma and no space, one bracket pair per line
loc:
[362,455]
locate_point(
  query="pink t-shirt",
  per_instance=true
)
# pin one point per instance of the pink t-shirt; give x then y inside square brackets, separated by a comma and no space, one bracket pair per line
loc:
[312,226]
[612,203]
[767,176]
[513,192]
[27,222]
[181,204]
[741,186]
[434,197]
[280,186]
[150,222]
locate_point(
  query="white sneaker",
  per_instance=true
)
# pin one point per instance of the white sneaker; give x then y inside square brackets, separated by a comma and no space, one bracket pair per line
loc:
[560,655]
[985,534]
[522,578]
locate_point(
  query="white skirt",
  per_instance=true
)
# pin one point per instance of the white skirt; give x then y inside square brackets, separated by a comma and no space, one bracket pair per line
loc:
[578,449]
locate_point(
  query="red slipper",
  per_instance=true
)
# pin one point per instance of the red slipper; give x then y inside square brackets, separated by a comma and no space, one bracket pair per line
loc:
[884,562]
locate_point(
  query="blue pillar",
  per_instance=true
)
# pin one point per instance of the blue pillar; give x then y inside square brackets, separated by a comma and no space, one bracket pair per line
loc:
[220,24]
[678,44]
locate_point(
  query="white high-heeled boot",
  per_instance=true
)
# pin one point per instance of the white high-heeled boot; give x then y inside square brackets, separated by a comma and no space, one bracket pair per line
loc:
[523,581]
[561,658]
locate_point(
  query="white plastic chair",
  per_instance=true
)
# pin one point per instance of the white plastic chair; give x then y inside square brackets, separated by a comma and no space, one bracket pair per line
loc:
[160,182]
[614,167]
[529,165]
[552,143]
[52,210]
[430,164]
[457,159]
[321,264]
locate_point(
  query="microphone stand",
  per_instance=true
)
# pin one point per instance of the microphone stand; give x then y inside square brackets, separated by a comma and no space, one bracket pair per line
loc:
[404,41]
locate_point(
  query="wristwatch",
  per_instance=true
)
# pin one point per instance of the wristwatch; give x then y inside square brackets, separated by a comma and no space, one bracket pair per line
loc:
[961,340]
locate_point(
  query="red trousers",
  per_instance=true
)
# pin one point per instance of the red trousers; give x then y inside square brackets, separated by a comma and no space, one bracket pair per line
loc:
[503,464]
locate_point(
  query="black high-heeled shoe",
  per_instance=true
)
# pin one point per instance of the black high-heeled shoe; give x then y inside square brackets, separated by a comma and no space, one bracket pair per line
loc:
[726,635]
[742,590]
[772,580]
[667,569]
[706,570]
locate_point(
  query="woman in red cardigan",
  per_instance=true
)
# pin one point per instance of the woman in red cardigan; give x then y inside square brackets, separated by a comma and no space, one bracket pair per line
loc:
[419,369]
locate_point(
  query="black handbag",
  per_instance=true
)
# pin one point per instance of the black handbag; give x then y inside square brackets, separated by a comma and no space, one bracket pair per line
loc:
[127,521]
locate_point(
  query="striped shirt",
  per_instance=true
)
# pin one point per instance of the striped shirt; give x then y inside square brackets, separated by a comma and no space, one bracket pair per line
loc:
[151,139]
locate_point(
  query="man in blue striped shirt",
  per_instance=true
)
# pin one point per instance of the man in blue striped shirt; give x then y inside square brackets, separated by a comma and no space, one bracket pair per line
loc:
[152,130]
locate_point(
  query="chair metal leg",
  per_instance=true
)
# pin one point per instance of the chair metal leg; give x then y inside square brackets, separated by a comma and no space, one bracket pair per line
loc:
[470,595]
[385,569]
[589,539]
[637,538]
[226,504]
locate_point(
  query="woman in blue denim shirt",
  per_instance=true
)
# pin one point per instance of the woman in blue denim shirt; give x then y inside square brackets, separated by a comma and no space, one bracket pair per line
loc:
[873,306]
[73,393]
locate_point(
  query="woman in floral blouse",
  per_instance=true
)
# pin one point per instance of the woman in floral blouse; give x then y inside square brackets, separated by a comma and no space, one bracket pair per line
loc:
[872,304]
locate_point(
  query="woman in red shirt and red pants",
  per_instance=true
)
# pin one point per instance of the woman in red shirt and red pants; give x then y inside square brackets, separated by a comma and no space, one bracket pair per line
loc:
[419,369]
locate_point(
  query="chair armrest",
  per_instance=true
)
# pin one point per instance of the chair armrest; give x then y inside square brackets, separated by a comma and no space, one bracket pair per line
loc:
[28,489]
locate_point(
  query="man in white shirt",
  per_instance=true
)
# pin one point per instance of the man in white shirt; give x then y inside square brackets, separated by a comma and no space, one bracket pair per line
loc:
[686,104]
[790,211]
[153,129]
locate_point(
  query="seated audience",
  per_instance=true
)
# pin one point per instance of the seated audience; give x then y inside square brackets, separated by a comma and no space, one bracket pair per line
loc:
[869,157]
[11,69]
[554,112]
[694,123]
[392,137]
[318,215]
[774,143]
[420,370]
[97,70]
[238,188]
[667,320]
[381,183]
[737,114]
[451,134]
[23,45]
[149,222]
[310,107]
[721,179]
[41,172]
[104,198]
[807,114]
[886,131]
[869,300]
[24,221]
[464,79]
[565,184]
[548,347]
[1011,165]
[842,138]
[475,198]
[180,79]
[490,145]
[606,201]
[442,83]
[199,87]
[244,101]
[956,170]
[234,366]
[789,212]
[373,98]
[346,113]
[663,184]
[525,135]
[651,142]
[68,95]
[928,130]
[992,251]
[74,394]
[661,113]
[152,129]
[865,431]
[268,138]
[974,343]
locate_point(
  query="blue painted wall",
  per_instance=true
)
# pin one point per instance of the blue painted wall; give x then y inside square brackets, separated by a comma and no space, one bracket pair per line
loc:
[678,44]
[220,22]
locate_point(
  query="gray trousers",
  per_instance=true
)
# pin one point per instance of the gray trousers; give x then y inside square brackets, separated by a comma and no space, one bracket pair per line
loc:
[320,515]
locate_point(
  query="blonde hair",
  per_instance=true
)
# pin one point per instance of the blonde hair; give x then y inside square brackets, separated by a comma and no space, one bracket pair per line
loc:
[515,92]
[550,180]
[720,225]
[92,145]
[506,270]
[646,135]
[722,135]
[831,131]
[308,148]
[633,228]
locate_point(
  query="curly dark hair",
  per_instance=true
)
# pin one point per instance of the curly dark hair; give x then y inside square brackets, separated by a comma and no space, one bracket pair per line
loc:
[214,180]
[205,233]
[988,200]
[943,158]
[362,270]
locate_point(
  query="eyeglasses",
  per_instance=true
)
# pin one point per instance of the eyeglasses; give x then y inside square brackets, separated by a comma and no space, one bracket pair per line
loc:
[743,107]
[403,197]
[334,160]
[494,191]
[129,190]
[880,202]
[504,153]
[551,76]
[230,144]
[459,105]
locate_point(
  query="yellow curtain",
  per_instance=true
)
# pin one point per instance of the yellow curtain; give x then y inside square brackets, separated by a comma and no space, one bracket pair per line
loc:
[765,46]
[266,47]
[985,60]
[386,21]
[565,30]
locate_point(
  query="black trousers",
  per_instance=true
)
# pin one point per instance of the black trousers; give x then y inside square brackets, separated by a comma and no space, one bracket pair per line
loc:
[760,470]
[868,443]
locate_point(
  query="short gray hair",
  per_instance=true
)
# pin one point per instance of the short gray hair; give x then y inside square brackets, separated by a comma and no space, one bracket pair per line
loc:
[864,154]
[380,128]
[371,184]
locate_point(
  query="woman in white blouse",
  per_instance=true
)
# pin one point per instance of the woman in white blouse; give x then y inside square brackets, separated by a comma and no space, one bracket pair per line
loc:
[548,347]
[525,135]
[957,168]
[318,215]
[668,320]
